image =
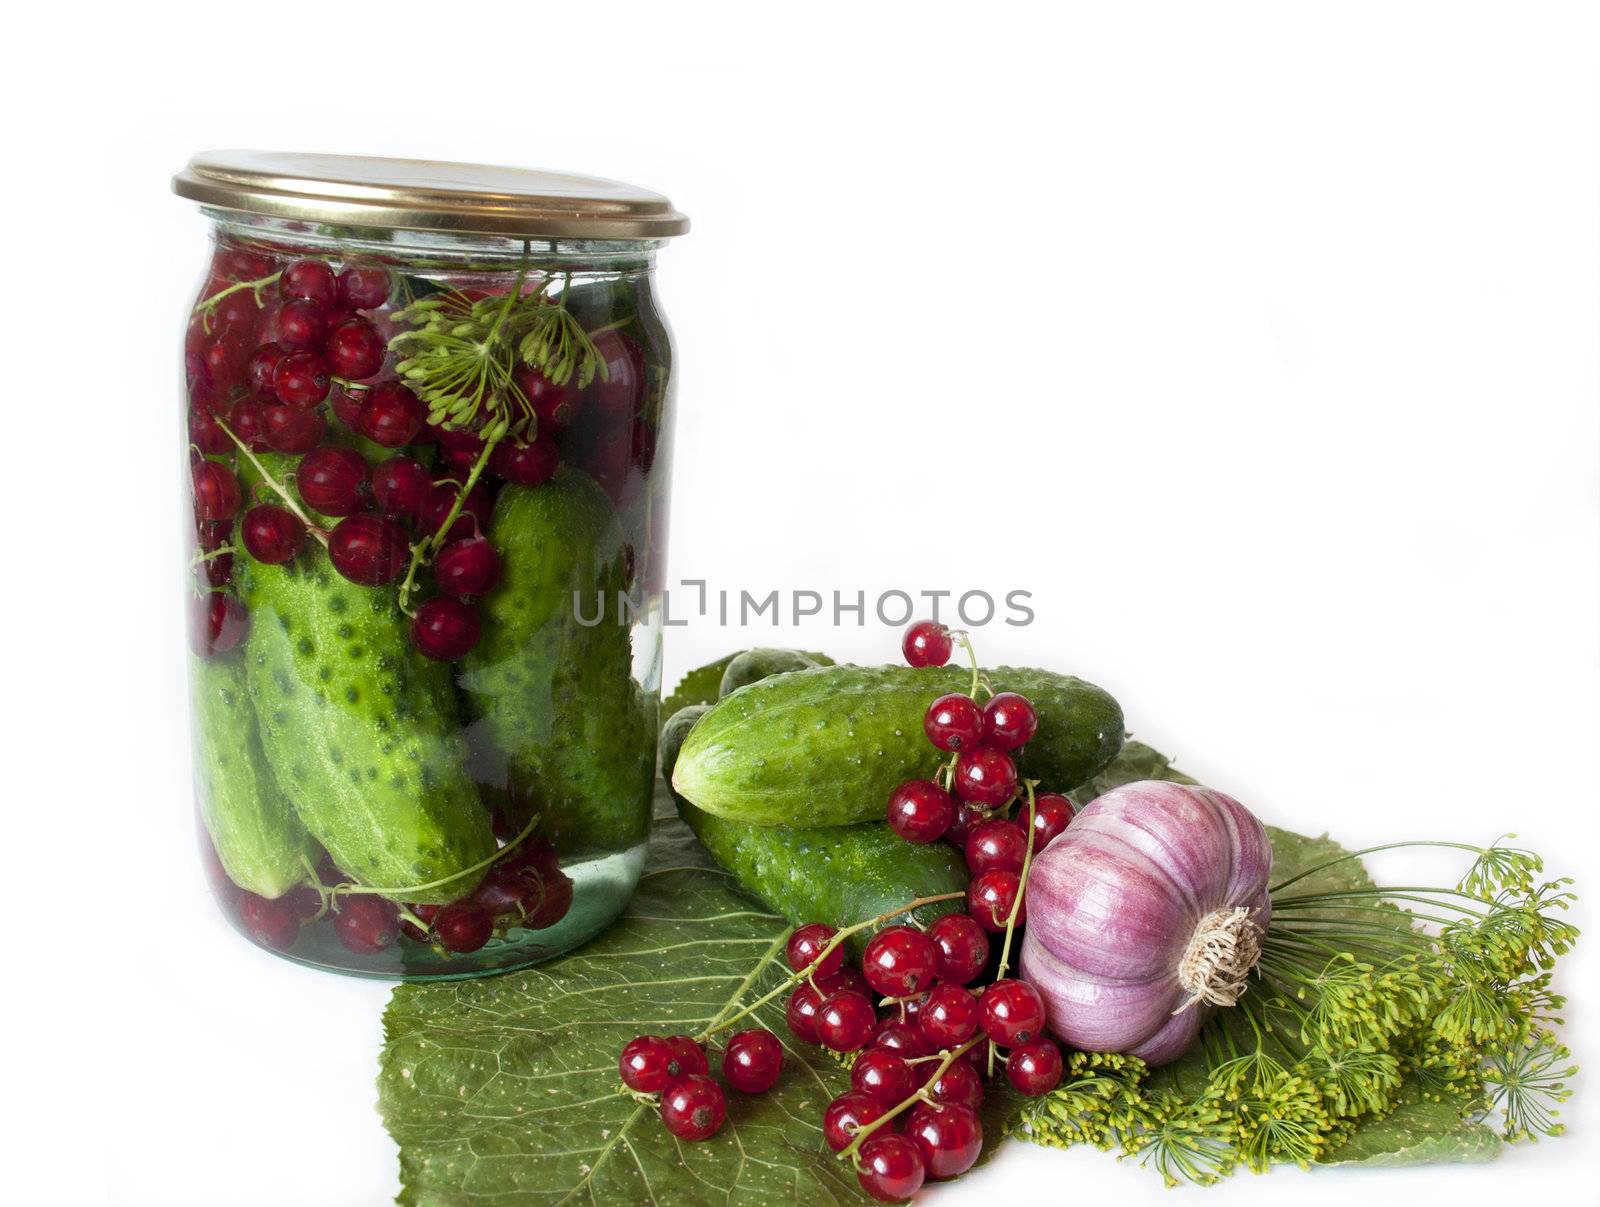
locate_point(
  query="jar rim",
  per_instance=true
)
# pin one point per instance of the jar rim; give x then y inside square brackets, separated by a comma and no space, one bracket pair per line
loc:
[426,195]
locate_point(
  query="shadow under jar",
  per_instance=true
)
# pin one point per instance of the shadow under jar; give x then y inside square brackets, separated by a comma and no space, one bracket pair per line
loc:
[427,410]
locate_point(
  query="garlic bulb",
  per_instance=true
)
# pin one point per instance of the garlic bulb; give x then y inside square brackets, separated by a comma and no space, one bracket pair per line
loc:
[1146,914]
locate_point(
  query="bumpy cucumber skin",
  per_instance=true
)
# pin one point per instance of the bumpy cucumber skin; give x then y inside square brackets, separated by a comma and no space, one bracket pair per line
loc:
[559,720]
[262,844]
[752,666]
[825,747]
[361,731]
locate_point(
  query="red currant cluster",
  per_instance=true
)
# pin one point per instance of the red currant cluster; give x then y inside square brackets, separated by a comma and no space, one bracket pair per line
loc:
[969,802]
[924,1030]
[272,350]
[524,888]
[674,1074]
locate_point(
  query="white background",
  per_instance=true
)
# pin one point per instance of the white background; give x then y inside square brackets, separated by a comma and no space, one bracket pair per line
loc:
[1259,342]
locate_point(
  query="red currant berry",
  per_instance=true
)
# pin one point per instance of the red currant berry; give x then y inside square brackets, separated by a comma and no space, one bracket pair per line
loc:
[368,549]
[293,429]
[346,406]
[912,1006]
[949,1018]
[800,1012]
[271,534]
[752,1061]
[216,492]
[959,1085]
[366,924]
[507,892]
[950,1138]
[216,570]
[1009,721]
[236,264]
[920,811]
[891,1167]
[848,1114]
[302,326]
[558,894]
[309,279]
[688,1056]
[425,914]
[901,1037]
[462,927]
[963,947]
[301,379]
[645,1064]
[693,1107]
[968,817]
[474,515]
[224,359]
[1013,1012]
[270,923]
[985,777]
[530,464]
[390,414]
[355,350]
[883,1074]
[467,567]
[400,486]
[620,389]
[1052,813]
[927,643]
[445,629]
[996,843]
[362,287]
[845,1020]
[259,371]
[333,480]
[954,722]
[1034,1068]
[206,434]
[553,406]
[249,422]
[990,898]
[845,978]
[218,624]
[806,944]
[899,961]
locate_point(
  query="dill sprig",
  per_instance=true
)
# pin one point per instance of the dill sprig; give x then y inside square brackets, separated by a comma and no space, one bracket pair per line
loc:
[1361,992]
[462,352]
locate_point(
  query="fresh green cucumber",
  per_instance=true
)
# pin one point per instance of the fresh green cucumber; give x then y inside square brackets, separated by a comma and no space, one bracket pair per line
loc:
[262,844]
[560,722]
[361,731]
[826,746]
[675,732]
[752,666]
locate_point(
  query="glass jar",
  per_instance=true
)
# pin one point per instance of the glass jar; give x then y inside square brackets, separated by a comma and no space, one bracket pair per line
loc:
[427,410]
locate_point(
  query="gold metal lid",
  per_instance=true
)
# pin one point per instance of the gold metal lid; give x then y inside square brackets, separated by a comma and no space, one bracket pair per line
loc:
[421,194]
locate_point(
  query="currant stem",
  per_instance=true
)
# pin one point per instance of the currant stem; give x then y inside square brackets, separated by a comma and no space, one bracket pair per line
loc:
[794,978]
[922,1095]
[1022,885]
[409,891]
[422,552]
[208,304]
[965,639]
[282,492]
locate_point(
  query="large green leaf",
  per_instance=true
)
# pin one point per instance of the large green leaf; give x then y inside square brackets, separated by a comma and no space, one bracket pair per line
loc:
[505,1090]
[699,686]
[1420,1131]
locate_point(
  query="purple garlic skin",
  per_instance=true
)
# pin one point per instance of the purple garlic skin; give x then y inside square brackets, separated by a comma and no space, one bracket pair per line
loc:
[1115,900]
